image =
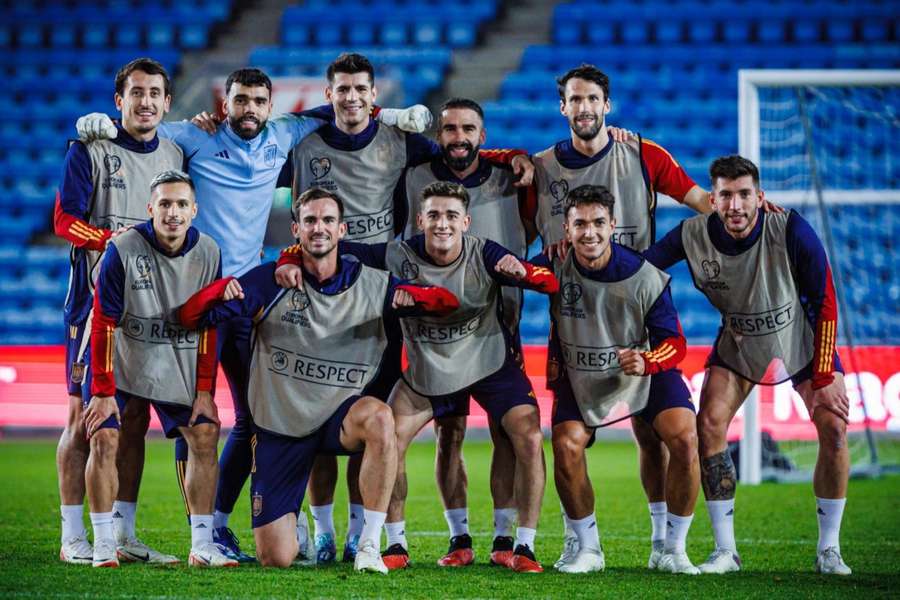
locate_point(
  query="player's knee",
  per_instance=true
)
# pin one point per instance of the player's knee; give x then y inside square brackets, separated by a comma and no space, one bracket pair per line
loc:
[832,430]
[279,557]
[710,429]
[567,451]
[205,438]
[379,424]
[529,442]
[104,444]
[683,447]
[450,434]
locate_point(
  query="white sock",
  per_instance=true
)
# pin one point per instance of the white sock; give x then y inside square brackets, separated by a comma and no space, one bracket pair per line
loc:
[586,530]
[396,533]
[829,513]
[103,526]
[72,516]
[124,514]
[373,521]
[504,520]
[721,515]
[658,512]
[355,516]
[676,533]
[525,535]
[220,519]
[567,524]
[323,518]
[457,521]
[201,530]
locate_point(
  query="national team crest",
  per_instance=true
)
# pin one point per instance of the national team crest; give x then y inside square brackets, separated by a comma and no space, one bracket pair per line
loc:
[112,163]
[711,268]
[257,505]
[320,166]
[409,270]
[143,265]
[559,190]
[299,300]
[570,293]
[269,154]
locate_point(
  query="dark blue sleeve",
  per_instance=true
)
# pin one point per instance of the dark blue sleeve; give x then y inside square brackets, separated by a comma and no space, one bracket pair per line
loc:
[541,260]
[286,175]
[662,319]
[401,205]
[810,264]
[420,149]
[667,251]
[371,255]
[260,290]
[76,186]
[111,284]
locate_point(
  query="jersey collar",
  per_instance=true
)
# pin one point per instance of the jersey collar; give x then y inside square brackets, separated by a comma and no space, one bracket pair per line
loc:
[146,230]
[475,179]
[726,244]
[571,158]
[124,140]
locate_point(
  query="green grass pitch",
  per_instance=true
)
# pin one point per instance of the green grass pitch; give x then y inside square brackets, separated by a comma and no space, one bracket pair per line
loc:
[776,531]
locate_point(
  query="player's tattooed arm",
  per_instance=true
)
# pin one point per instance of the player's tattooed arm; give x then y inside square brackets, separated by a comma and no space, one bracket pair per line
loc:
[718,475]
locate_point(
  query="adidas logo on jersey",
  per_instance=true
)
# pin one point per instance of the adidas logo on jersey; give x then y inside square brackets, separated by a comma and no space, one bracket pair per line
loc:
[223,154]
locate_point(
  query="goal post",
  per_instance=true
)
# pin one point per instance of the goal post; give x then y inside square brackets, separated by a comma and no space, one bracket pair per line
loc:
[827,143]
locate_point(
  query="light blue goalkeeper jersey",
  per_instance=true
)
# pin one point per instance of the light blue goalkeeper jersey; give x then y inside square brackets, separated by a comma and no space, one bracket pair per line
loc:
[235,181]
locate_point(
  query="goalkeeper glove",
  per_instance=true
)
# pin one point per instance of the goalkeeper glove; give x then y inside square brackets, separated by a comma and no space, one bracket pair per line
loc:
[415,119]
[95,126]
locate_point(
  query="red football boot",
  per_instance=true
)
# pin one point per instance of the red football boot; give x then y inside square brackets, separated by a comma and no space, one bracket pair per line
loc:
[395,557]
[523,561]
[460,553]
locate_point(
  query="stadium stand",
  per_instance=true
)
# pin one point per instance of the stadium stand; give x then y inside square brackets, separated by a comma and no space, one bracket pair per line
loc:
[667,67]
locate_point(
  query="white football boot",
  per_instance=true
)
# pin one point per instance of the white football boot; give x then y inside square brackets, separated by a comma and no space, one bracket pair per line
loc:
[76,551]
[720,561]
[105,554]
[368,558]
[587,560]
[677,563]
[656,554]
[134,550]
[570,549]
[210,555]
[829,562]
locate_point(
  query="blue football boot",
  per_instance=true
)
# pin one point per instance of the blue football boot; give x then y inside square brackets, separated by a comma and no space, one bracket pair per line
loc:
[226,538]
[326,551]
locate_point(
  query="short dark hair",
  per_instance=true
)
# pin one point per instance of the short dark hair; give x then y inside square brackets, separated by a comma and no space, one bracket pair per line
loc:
[350,62]
[249,77]
[171,176]
[587,72]
[148,66]
[312,194]
[732,167]
[461,103]
[447,189]
[587,194]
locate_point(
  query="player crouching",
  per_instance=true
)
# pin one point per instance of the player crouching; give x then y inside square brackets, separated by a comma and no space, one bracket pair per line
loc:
[139,354]
[615,338]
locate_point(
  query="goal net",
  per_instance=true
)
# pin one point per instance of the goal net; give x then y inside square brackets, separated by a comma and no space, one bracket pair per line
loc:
[828,145]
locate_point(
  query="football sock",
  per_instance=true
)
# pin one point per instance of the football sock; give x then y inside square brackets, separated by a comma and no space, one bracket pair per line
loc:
[396,533]
[103,527]
[676,532]
[124,514]
[525,536]
[586,530]
[220,519]
[504,520]
[355,518]
[829,513]
[373,521]
[457,521]
[72,521]
[201,530]
[721,515]
[323,518]
[567,525]
[658,521]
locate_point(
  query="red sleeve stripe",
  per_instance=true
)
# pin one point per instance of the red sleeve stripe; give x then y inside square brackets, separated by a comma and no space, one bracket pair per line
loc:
[663,353]
[86,231]
[826,348]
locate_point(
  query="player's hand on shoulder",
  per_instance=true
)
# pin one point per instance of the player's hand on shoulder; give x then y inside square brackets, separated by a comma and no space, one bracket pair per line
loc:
[208,122]
[233,291]
[99,409]
[833,397]
[402,298]
[557,250]
[95,126]
[204,405]
[631,361]
[288,276]
[415,119]
[523,169]
[771,207]
[511,266]
[621,135]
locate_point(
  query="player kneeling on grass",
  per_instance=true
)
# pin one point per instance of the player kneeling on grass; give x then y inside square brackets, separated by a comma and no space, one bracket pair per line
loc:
[767,273]
[615,338]
[317,351]
[466,353]
[140,354]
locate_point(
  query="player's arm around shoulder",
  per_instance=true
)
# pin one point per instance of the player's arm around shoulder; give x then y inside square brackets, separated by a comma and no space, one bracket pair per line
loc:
[507,269]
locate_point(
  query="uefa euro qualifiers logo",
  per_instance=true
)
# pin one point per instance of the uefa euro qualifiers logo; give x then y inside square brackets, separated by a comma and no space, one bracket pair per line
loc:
[113,163]
[711,270]
[143,265]
[409,270]
[560,191]
[320,167]
[570,293]
[298,301]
